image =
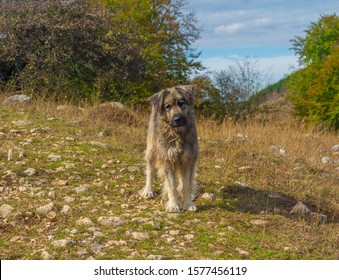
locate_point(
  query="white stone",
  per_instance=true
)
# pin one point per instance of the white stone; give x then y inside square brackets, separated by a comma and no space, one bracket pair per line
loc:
[62,243]
[140,235]
[110,221]
[326,160]
[53,157]
[154,257]
[300,209]
[86,222]
[44,210]
[20,98]
[46,256]
[30,172]
[5,210]
[66,210]
[335,148]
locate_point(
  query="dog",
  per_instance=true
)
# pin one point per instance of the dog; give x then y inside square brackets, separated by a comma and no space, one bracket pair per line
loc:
[172,147]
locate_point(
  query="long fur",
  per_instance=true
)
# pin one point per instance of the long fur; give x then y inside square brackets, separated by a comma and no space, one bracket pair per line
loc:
[171,150]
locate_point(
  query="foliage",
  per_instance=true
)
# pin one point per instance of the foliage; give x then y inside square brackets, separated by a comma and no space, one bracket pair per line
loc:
[84,49]
[164,34]
[314,89]
[318,41]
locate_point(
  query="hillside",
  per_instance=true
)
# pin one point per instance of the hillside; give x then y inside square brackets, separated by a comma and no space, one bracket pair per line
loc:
[69,178]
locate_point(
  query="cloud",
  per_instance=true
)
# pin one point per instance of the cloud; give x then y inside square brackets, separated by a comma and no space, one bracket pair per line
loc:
[239,26]
[230,29]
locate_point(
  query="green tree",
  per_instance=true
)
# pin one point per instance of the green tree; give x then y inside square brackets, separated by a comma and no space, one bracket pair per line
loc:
[314,90]
[319,40]
[96,49]
[164,32]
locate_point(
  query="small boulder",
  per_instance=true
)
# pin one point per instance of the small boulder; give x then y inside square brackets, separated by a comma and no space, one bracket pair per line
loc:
[300,209]
[62,243]
[19,98]
[110,221]
[30,172]
[86,222]
[208,196]
[5,210]
[44,210]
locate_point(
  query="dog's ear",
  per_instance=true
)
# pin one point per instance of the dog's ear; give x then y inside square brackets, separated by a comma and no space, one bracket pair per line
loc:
[157,100]
[188,91]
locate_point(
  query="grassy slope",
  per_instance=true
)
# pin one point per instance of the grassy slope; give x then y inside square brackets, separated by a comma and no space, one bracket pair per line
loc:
[241,223]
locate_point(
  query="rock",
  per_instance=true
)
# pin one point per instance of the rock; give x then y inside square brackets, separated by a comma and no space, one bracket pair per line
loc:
[113,105]
[46,256]
[326,160]
[86,222]
[69,199]
[245,168]
[51,194]
[300,209]
[241,185]
[10,154]
[51,216]
[30,172]
[133,168]
[237,138]
[208,196]
[138,235]
[319,218]
[140,220]
[174,232]
[189,236]
[62,243]
[242,252]
[279,149]
[99,144]
[81,189]
[66,210]
[19,98]
[53,157]
[21,123]
[44,210]
[110,221]
[119,243]
[62,183]
[258,222]
[98,234]
[5,210]
[335,148]
[154,257]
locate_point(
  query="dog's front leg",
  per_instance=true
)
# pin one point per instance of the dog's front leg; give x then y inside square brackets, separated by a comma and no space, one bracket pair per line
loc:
[186,183]
[147,191]
[171,190]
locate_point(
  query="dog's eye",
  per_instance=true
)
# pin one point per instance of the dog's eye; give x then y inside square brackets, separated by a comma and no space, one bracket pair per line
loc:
[168,107]
[181,103]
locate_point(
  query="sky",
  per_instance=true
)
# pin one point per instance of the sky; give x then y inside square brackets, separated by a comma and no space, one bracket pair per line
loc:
[261,29]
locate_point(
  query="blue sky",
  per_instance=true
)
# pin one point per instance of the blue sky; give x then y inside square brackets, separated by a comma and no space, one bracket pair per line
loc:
[257,28]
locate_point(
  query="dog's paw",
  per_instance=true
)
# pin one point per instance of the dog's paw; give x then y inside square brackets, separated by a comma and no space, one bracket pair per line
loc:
[147,194]
[172,208]
[189,206]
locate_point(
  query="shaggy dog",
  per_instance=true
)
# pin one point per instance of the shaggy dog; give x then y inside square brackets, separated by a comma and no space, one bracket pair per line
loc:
[172,146]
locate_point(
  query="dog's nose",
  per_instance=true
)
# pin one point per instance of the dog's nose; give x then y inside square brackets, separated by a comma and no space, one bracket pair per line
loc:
[177,120]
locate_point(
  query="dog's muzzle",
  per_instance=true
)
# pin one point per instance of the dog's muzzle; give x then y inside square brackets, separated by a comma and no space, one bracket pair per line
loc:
[179,121]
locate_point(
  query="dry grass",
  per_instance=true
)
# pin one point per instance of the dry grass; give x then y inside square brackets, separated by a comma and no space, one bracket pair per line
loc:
[274,183]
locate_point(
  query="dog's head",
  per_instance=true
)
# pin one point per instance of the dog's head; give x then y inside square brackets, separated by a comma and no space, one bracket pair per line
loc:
[175,104]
